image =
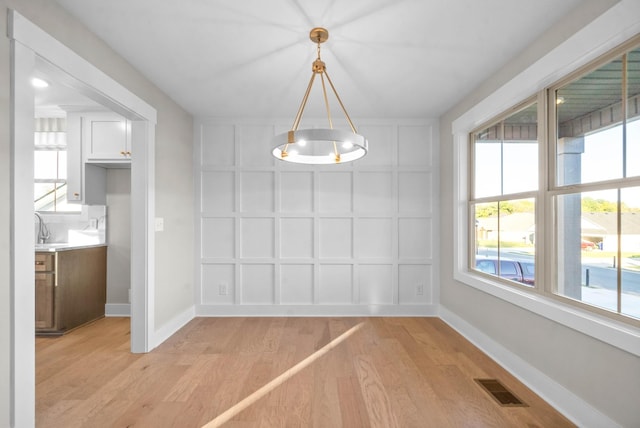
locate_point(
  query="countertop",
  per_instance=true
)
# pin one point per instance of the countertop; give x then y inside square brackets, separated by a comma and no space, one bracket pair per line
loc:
[63,246]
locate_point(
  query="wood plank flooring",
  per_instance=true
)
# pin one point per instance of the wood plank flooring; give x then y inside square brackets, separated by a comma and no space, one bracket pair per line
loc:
[277,372]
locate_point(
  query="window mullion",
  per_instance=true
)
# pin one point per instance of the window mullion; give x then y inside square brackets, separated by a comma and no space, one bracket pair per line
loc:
[501,138]
[624,176]
[542,261]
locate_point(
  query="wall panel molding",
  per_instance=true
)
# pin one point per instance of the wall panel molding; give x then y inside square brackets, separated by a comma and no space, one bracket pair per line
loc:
[275,238]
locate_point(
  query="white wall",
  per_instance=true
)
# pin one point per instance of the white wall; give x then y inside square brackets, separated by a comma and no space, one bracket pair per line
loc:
[118,237]
[176,206]
[577,372]
[285,239]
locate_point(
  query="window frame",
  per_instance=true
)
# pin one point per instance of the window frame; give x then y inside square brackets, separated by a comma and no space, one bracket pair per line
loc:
[560,65]
[554,189]
[532,194]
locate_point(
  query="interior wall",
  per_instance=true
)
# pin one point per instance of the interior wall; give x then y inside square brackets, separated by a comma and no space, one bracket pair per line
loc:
[175,205]
[118,236]
[603,376]
[174,134]
[280,238]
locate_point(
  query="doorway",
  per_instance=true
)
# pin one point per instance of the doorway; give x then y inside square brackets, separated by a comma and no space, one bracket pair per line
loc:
[32,47]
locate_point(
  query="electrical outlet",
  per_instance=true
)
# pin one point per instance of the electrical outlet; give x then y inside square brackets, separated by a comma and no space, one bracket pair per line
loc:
[419,290]
[159,224]
[223,290]
[93,223]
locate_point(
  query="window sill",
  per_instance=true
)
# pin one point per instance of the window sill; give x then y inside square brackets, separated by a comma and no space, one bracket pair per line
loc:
[620,335]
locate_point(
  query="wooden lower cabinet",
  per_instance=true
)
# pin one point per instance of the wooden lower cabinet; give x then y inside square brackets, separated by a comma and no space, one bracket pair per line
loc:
[71,288]
[45,294]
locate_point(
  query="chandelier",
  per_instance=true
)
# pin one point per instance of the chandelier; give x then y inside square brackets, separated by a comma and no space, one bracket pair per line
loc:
[320,146]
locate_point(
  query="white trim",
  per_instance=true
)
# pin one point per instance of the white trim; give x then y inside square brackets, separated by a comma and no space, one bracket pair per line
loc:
[606,32]
[618,334]
[171,327]
[117,310]
[94,79]
[570,405]
[22,291]
[316,310]
[142,236]
[612,28]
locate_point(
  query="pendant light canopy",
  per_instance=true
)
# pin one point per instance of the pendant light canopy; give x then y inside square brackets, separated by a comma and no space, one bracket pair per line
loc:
[320,146]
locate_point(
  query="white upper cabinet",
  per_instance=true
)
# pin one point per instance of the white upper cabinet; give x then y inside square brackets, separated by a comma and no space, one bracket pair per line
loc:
[106,138]
[86,183]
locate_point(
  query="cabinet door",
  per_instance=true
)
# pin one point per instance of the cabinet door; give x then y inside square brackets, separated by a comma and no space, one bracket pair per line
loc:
[106,138]
[86,183]
[81,293]
[45,297]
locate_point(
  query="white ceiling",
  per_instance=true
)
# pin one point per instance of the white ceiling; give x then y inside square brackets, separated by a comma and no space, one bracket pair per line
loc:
[252,58]
[58,98]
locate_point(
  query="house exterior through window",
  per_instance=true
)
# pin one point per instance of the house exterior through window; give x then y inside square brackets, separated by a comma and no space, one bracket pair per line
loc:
[554,190]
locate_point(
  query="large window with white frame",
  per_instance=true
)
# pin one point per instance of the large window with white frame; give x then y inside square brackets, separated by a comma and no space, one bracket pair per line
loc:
[556,185]
[594,139]
[503,195]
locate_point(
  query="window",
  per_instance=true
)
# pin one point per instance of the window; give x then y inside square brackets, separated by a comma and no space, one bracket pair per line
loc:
[50,166]
[505,165]
[595,196]
[586,188]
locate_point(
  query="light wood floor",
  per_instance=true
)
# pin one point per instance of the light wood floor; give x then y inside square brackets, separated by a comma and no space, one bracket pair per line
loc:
[277,372]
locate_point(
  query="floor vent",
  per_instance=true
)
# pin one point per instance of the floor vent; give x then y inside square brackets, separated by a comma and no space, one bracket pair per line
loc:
[500,393]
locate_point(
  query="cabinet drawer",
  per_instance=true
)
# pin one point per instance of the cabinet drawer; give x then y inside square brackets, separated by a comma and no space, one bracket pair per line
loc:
[44,262]
[45,295]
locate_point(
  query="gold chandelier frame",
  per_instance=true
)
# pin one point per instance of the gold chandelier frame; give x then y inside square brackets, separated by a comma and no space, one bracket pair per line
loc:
[320,145]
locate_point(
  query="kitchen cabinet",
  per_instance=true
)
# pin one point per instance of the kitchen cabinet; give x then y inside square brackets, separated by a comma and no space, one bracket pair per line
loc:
[71,288]
[106,138]
[86,182]
[45,290]
[95,141]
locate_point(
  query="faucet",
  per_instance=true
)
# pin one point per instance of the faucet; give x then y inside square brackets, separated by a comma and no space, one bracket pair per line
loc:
[43,231]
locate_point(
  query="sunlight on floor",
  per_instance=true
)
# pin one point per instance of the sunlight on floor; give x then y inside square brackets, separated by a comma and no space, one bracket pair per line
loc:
[248,401]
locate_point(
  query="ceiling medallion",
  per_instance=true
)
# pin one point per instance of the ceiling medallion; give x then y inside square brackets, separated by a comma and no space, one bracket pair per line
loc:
[320,146]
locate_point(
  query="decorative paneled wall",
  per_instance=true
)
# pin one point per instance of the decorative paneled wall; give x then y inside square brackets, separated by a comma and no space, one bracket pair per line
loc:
[276,238]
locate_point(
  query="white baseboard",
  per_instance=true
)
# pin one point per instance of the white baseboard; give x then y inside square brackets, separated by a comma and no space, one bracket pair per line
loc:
[176,323]
[570,405]
[316,310]
[117,310]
